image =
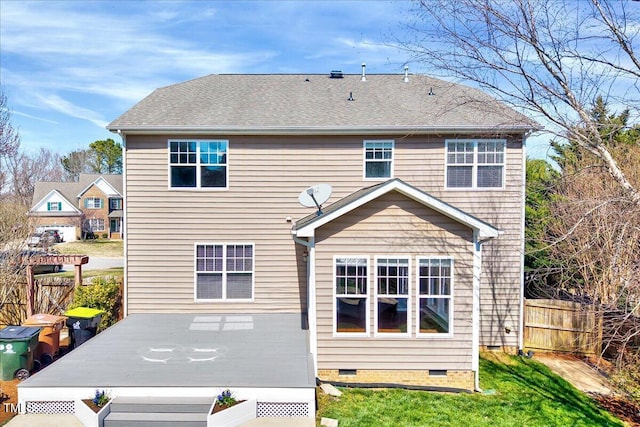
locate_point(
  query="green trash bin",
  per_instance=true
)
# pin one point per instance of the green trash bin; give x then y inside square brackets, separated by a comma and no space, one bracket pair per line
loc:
[83,324]
[17,347]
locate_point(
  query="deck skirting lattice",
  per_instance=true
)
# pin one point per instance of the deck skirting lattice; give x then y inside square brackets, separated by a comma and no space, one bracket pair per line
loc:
[51,407]
[282,409]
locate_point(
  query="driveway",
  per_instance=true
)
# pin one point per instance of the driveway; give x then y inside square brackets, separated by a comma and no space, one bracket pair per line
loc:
[97,263]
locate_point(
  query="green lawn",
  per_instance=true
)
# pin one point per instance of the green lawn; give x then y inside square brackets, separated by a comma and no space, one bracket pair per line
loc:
[517,392]
[96,248]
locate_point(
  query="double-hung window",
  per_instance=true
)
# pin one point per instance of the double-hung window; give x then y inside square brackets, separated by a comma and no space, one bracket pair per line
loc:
[198,164]
[378,159]
[93,203]
[95,224]
[115,204]
[435,290]
[475,163]
[392,295]
[224,272]
[351,294]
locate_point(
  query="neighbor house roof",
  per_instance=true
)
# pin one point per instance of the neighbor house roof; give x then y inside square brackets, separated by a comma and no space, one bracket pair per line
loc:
[71,190]
[305,227]
[313,103]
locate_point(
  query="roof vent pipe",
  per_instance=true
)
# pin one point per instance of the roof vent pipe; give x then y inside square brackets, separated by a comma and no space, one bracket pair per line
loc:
[364,72]
[406,74]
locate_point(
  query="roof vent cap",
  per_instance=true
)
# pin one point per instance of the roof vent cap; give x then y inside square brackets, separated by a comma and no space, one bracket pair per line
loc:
[336,74]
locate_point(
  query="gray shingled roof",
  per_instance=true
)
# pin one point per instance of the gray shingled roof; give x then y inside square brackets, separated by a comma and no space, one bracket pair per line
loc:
[308,103]
[70,190]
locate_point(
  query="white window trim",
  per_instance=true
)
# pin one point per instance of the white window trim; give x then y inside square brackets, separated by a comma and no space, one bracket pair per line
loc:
[93,203]
[375,299]
[364,159]
[474,176]
[434,335]
[224,273]
[367,333]
[104,226]
[197,166]
[58,206]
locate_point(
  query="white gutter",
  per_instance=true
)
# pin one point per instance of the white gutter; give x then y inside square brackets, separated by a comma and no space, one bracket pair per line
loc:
[317,130]
[311,297]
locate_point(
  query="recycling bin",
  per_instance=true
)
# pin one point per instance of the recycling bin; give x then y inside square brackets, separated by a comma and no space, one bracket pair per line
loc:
[17,347]
[49,338]
[83,324]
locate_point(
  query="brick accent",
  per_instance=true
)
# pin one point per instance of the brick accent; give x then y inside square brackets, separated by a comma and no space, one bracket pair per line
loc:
[454,379]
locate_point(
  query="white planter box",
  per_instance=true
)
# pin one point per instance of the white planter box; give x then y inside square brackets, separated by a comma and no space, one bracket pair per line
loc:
[89,418]
[234,416]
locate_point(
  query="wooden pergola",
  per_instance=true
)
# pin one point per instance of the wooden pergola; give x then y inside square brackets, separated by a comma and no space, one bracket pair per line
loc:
[76,260]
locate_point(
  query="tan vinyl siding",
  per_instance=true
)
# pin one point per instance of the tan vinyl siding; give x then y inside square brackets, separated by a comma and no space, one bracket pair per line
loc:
[266,174]
[394,225]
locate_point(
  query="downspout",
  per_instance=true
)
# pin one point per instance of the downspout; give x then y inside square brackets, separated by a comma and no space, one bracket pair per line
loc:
[522,246]
[311,297]
[123,227]
[475,311]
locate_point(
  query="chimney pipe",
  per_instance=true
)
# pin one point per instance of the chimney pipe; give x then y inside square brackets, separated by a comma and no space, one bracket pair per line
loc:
[364,76]
[406,74]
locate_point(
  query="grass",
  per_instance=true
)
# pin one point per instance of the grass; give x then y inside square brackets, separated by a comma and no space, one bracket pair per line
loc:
[518,392]
[114,271]
[97,248]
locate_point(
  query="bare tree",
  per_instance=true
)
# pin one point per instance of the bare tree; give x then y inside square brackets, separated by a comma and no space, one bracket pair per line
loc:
[9,138]
[25,170]
[548,58]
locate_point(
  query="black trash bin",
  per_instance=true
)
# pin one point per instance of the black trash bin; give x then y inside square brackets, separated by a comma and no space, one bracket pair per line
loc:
[83,324]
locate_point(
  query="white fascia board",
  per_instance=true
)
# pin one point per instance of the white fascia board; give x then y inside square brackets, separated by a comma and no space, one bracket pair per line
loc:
[484,230]
[100,182]
[47,198]
[318,130]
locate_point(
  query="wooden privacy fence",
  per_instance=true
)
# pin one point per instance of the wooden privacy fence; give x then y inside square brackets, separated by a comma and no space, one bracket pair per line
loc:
[565,326]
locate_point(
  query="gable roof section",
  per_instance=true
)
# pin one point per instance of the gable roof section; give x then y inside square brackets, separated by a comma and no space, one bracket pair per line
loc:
[306,226]
[106,183]
[316,104]
[69,207]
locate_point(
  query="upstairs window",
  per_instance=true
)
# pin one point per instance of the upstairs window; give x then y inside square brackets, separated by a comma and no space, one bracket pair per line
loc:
[198,164]
[115,204]
[475,163]
[224,272]
[93,203]
[378,159]
[54,206]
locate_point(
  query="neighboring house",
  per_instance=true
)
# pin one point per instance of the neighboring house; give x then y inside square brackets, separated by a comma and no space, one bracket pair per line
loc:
[412,265]
[77,209]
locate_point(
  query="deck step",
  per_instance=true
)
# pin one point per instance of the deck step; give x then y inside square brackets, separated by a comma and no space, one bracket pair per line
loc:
[147,419]
[162,404]
[158,412]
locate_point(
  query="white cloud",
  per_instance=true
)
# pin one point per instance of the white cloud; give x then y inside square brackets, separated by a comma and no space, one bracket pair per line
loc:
[65,107]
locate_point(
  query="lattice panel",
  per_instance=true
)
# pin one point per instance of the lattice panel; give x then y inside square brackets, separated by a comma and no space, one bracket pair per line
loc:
[51,407]
[283,409]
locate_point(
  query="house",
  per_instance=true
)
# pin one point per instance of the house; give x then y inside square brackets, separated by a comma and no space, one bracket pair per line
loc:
[382,216]
[93,204]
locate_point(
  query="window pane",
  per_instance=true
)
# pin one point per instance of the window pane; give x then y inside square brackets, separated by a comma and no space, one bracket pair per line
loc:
[239,285]
[209,286]
[378,169]
[490,176]
[459,176]
[213,176]
[351,314]
[183,176]
[351,276]
[434,315]
[392,315]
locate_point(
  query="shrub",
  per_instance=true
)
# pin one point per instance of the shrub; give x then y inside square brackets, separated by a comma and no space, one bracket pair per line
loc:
[102,294]
[105,235]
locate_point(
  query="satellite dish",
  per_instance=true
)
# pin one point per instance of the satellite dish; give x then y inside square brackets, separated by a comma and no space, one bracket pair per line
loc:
[315,196]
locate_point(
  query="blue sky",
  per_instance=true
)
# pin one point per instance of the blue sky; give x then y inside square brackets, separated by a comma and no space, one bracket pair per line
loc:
[68,68]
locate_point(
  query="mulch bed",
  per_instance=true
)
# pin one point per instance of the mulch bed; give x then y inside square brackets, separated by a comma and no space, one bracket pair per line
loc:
[218,408]
[620,407]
